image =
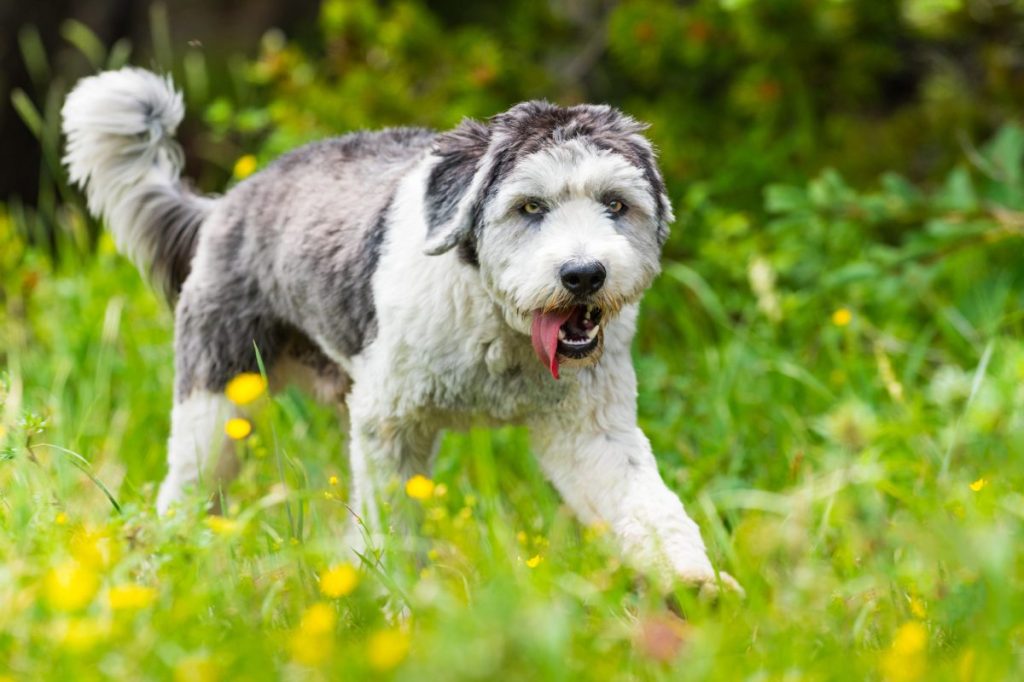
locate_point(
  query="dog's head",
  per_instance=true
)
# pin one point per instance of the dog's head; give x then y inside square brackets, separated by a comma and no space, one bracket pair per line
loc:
[564,212]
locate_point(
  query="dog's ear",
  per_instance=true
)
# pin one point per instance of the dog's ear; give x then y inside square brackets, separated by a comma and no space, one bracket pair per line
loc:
[456,185]
[646,157]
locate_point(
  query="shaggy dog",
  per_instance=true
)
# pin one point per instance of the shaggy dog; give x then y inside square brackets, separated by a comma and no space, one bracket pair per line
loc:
[422,280]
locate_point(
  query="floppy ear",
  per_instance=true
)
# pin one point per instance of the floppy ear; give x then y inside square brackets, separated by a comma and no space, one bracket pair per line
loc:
[455,186]
[648,162]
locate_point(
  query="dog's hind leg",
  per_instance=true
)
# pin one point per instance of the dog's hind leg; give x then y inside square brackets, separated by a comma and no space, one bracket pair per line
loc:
[197,434]
[217,332]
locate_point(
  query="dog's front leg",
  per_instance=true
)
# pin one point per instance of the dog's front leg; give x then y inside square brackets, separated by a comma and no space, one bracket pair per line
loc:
[383,454]
[603,466]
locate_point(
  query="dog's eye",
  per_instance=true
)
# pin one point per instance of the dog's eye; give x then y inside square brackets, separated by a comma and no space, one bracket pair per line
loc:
[615,206]
[532,207]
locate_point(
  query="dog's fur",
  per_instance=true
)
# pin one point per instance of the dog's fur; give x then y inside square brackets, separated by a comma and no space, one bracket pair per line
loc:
[401,274]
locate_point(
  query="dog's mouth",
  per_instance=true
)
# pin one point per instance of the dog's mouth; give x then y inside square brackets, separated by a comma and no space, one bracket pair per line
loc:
[570,333]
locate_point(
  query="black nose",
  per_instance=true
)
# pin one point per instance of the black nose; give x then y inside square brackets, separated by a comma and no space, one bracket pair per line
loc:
[582,278]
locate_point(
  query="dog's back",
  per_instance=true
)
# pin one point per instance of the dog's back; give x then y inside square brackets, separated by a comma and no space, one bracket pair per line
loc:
[120,149]
[307,231]
[296,242]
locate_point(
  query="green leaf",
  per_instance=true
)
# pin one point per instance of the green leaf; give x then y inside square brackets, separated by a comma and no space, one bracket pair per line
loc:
[28,112]
[785,199]
[701,289]
[1006,152]
[958,192]
[34,55]
[854,272]
[79,35]
[119,54]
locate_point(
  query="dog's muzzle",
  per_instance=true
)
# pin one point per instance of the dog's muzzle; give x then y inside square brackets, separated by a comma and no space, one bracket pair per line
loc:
[572,333]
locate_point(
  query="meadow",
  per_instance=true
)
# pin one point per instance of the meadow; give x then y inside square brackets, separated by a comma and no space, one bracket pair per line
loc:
[831,375]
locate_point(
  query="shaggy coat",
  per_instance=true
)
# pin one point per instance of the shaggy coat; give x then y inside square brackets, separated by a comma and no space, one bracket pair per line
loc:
[423,281]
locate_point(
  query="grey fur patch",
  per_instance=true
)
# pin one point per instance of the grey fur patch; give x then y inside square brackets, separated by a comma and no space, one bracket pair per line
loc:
[292,251]
[173,222]
[352,285]
[217,332]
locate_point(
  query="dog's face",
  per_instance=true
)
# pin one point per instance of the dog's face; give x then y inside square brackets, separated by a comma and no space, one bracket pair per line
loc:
[563,211]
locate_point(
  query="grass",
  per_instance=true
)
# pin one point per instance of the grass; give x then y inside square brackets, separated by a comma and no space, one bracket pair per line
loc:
[861,478]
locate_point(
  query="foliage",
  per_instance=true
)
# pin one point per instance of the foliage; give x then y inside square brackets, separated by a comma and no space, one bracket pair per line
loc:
[831,374]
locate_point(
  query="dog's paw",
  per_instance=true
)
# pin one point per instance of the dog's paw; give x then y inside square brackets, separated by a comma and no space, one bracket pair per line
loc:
[712,588]
[710,585]
[171,492]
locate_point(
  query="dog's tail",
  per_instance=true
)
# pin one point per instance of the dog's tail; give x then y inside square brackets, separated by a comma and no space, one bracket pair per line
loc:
[120,149]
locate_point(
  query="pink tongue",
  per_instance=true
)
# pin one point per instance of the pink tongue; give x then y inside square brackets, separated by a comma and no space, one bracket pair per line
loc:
[545,336]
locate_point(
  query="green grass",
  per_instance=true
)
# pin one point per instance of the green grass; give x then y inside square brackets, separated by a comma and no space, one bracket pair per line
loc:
[831,473]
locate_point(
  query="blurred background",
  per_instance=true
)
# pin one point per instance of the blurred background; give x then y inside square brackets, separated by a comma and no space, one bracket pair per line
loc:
[819,154]
[739,93]
[856,157]
[831,364]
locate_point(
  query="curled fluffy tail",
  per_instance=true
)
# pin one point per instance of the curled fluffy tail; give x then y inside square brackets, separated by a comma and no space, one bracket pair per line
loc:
[120,149]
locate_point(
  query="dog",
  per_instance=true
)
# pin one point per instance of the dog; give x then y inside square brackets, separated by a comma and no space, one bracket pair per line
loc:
[420,280]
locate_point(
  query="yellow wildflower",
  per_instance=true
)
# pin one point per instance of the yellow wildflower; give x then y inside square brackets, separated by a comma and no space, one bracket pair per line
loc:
[419,487]
[534,561]
[318,619]
[440,490]
[333,480]
[911,638]
[237,428]
[82,634]
[70,586]
[842,317]
[965,666]
[245,388]
[905,660]
[310,650]
[339,581]
[245,166]
[313,641]
[222,526]
[386,649]
[979,484]
[917,607]
[95,547]
[130,597]
[60,519]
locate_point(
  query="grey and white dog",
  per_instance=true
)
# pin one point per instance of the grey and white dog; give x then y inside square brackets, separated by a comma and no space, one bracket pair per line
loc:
[422,280]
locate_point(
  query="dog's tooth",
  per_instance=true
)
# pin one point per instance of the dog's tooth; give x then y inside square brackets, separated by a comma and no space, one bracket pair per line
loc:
[561,334]
[592,332]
